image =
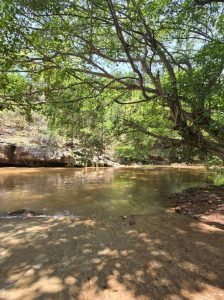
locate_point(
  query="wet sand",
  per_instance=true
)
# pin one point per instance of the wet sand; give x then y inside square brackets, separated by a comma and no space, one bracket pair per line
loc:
[158,256]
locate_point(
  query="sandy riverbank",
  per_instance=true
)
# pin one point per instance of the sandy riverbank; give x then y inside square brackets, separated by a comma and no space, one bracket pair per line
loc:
[155,257]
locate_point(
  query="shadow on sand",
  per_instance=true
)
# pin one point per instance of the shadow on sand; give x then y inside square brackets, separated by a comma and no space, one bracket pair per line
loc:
[158,257]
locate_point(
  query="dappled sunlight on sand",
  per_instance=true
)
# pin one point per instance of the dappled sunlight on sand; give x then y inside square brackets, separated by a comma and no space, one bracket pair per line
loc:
[159,257]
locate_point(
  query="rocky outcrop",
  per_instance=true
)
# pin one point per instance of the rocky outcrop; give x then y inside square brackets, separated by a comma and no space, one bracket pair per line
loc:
[32,144]
[42,156]
[20,155]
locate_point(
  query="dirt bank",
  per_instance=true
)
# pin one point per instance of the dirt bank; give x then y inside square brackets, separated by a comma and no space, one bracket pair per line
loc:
[205,204]
[167,257]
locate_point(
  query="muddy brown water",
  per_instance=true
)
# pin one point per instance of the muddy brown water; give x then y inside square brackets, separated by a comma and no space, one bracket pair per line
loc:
[94,192]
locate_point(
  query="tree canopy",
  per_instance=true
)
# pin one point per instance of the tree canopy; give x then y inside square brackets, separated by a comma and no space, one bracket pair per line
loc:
[145,68]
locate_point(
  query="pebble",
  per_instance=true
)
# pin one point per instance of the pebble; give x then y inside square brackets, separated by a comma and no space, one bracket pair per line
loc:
[178,209]
[197,217]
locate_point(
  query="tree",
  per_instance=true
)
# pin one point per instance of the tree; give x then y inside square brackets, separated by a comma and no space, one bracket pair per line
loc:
[165,52]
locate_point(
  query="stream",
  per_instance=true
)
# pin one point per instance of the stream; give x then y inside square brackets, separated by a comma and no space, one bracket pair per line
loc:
[94,192]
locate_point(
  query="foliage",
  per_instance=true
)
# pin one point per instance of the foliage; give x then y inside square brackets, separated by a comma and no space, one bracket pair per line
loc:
[145,73]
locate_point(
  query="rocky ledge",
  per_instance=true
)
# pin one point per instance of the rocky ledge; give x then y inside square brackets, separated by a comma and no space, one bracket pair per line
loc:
[44,156]
[205,204]
[33,144]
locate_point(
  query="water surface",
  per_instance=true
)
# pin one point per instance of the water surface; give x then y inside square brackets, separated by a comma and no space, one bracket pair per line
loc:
[94,192]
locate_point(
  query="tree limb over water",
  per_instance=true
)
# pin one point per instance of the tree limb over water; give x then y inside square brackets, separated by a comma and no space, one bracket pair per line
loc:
[137,52]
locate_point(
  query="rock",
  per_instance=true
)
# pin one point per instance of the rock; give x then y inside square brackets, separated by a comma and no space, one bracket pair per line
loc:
[101,163]
[32,213]
[186,212]
[41,155]
[108,163]
[132,222]
[17,212]
[197,217]
[104,157]
[35,146]
[178,209]
[218,198]
[25,213]
[210,202]
[212,196]
[78,152]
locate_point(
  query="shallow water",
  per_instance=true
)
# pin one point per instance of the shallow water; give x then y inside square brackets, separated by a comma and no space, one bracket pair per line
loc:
[94,192]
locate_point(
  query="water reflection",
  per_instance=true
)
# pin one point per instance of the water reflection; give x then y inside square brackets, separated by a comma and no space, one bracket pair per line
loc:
[93,192]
